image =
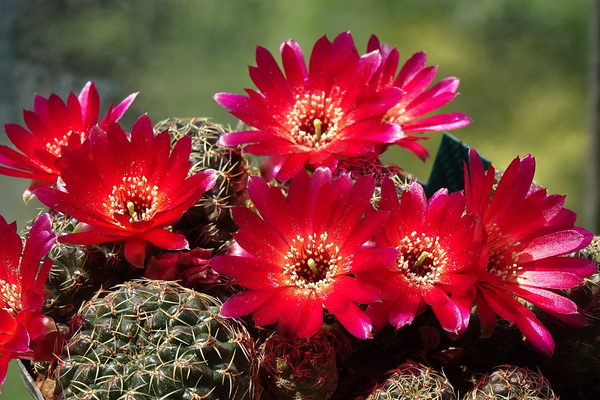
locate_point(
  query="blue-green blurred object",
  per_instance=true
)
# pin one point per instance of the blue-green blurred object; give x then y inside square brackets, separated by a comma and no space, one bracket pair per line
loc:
[448,166]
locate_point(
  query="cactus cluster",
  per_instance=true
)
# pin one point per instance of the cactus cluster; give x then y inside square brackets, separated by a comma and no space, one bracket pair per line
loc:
[155,340]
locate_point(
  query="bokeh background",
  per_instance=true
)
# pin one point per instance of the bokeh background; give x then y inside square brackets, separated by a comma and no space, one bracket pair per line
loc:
[522,65]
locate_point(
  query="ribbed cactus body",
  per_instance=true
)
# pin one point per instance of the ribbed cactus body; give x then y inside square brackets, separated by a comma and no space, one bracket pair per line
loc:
[412,381]
[78,272]
[155,340]
[509,382]
[303,369]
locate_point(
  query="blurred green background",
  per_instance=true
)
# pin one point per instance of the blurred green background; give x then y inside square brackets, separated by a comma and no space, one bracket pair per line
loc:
[522,65]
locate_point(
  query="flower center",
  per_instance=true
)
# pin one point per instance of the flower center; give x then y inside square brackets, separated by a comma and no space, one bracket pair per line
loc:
[422,260]
[134,198]
[504,260]
[311,262]
[10,297]
[395,115]
[314,120]
[54,146]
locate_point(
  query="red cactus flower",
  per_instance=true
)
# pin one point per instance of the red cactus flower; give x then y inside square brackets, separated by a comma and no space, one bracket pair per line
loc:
[310,117]
[53,124]
[438,258]
[302,254]
[25,332]
[414,78]
[527,232]
[128,188]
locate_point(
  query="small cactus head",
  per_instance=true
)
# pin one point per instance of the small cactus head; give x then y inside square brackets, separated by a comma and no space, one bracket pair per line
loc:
[302,369]
[155,340]
[78,272]
[413,381]
[509,382]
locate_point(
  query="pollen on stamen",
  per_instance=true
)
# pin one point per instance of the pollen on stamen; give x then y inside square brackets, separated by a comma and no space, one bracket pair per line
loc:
[314,121]
[396,115]
[10,297]
[134,198]
[310,263]
[54,147]
[422,259]
[504,257]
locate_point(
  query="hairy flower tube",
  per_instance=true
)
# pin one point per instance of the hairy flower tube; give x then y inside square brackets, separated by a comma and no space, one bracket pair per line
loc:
[310,117]
[53,124]
[303,252]
[127,189]
[439,248]
[527,232]
[413,78]
[25,332]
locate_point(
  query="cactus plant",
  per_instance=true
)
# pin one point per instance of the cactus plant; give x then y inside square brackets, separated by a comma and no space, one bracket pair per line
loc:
[413,381]
[79,272]
[301,369]
[509,382]
[154,340]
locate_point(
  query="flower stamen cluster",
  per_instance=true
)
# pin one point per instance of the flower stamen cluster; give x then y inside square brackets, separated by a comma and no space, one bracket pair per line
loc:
[135,198]
[311,263]
[314,121]
[10,297]
[422,260]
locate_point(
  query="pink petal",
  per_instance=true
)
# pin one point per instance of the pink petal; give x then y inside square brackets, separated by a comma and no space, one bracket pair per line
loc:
[356,322]
[135,252]
[404,311]
[450,317]
[166,239]
[536,333]
[311,319]
[19,342]
[357,290]
[246,302]
[438,122]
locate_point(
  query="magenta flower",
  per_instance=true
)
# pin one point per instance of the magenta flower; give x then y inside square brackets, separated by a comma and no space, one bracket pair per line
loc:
[527,233]
[25,332]
[53,124]
[414,78]
[127,189]
[437,263]
[302,254]
[309,117]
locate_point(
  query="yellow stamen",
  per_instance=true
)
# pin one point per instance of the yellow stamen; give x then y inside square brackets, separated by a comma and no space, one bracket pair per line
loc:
[317,123]
[131,208]
[313,267]
[424,255]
